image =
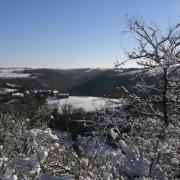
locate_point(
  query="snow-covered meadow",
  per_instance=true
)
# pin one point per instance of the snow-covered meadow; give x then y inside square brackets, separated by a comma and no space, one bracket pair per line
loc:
[89,104]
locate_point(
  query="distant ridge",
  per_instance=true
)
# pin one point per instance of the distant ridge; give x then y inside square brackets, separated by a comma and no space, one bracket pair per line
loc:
[79,81]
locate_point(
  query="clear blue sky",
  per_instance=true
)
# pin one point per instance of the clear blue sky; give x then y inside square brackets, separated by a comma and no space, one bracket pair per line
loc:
[73,33]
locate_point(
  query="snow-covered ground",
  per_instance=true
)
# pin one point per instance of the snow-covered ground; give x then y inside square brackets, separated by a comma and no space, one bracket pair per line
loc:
[13,73]
[87,103]
[7,90]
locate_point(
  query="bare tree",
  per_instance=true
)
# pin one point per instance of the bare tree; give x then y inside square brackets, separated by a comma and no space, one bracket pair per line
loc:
[159,53]
[154,106]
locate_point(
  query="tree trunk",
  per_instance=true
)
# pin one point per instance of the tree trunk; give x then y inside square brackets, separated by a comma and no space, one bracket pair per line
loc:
[165,116]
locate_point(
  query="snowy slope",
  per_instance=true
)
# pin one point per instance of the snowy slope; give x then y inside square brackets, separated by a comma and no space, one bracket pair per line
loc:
[13,73]
[7,90]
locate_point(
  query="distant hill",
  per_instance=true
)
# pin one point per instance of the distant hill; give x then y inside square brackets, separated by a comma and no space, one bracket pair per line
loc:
[81,76]
[37,79]
[84,82]
[109,82]
[60,79]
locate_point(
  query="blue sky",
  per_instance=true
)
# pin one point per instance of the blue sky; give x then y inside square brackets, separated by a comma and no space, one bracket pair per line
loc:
[73,33]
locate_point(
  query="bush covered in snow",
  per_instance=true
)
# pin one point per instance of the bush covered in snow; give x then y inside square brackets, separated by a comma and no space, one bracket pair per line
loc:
[29,153]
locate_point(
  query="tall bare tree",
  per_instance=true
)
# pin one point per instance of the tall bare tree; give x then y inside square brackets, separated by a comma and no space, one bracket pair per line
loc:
[159,53]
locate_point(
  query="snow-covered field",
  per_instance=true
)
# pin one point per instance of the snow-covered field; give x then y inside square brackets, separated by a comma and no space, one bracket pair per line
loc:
[87,103]
[13,73]
[7,90]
